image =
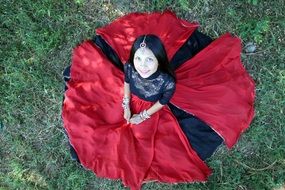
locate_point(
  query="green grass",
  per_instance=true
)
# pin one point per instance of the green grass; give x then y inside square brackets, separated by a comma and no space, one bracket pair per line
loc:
[36,42]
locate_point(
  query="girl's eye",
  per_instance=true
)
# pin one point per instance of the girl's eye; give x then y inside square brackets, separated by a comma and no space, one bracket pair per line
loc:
[137,58]
[149,59]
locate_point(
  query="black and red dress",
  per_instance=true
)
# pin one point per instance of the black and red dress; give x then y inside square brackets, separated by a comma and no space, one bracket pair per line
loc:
[211,102]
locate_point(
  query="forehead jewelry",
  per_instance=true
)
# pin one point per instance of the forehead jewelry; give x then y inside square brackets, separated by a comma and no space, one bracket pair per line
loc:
[143,44]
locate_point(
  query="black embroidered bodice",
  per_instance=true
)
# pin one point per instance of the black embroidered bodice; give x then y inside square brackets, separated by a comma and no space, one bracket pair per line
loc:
[159,86]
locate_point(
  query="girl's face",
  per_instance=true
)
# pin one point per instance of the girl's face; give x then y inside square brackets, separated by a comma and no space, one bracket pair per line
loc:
[145,62]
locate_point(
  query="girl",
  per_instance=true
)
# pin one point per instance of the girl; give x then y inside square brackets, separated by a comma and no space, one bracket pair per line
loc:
[148,76]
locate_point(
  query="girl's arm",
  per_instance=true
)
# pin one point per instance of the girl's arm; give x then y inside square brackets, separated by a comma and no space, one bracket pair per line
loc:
[137,118]
[168,93]
[127,92]
[154,108]
[126,102]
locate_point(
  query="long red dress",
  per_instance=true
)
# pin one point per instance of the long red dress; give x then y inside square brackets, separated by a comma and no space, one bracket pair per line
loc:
[213,86]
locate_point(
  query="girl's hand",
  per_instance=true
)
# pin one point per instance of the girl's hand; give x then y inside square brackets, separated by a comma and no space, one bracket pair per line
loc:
[127,114]
[136,119]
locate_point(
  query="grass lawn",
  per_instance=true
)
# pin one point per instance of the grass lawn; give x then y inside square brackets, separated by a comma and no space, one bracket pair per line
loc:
[36,40]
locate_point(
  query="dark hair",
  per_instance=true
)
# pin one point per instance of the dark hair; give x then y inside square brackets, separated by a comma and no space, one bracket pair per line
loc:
[155,45]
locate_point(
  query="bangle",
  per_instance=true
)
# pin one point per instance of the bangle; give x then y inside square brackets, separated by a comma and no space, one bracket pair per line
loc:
[144,115]
[126,101]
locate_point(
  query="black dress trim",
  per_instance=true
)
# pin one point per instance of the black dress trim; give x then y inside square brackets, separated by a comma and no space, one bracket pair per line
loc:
[66,78]
[108,51]
[203,139]
[194,44]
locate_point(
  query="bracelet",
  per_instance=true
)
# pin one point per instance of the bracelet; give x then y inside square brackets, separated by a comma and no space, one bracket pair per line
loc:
[144,115]
[126,102]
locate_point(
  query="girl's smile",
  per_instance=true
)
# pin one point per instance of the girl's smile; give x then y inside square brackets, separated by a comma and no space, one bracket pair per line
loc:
[144,72]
